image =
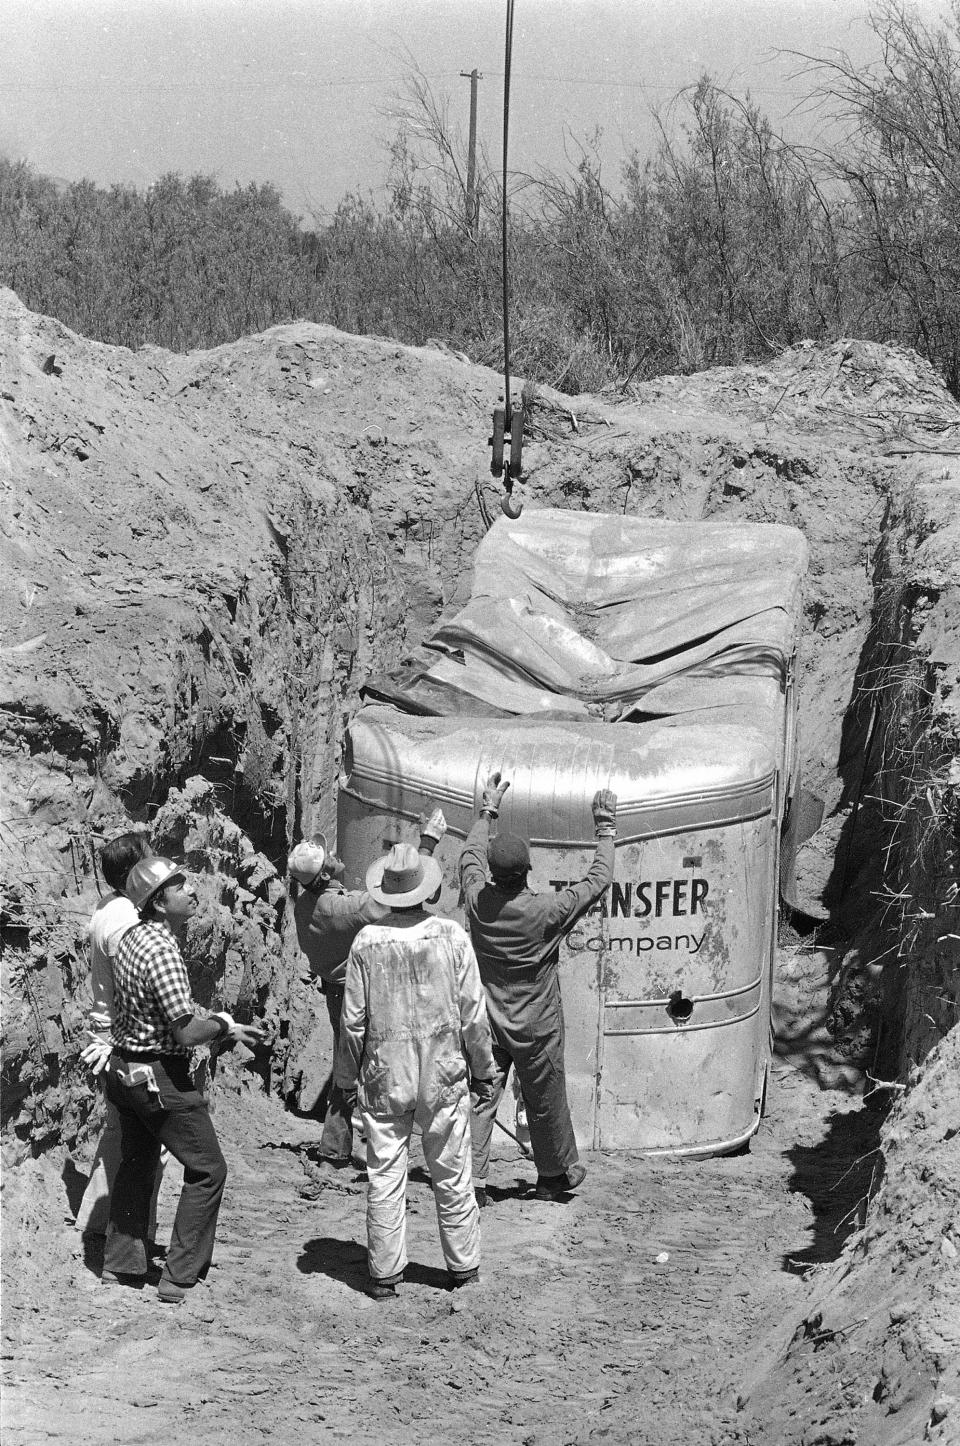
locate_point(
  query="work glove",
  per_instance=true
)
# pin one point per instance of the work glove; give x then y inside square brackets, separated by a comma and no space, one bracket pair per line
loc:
[493,791]
[605,813]
[249,1034]
[432,831]
[96,1054]
[482,1091]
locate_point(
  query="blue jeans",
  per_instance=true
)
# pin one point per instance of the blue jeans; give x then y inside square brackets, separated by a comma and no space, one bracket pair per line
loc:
[95,1206]
[337,1138]
[179,1119]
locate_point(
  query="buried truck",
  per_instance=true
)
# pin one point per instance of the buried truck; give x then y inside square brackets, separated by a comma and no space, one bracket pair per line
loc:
[657,659]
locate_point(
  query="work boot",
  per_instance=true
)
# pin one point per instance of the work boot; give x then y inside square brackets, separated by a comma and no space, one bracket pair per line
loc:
[554,1187]
[383,1289]
[458,1278]
[482,1198]
[169,1293]
[116,1277]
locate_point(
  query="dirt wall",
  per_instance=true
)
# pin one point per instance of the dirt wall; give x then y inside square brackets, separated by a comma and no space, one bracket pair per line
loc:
[206,555]
[921,787]
[876,1342]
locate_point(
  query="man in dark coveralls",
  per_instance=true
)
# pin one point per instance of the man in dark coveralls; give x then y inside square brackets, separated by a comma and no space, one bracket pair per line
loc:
[516,935]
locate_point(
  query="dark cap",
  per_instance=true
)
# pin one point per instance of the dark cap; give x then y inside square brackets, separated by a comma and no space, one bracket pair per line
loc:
[508,856]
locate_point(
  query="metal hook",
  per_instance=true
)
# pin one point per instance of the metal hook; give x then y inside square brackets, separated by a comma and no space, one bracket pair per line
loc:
[510,507]
[508,431]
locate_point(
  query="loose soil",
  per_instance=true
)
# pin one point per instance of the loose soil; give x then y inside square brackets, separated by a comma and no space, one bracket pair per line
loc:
[628,1314]
[202,558]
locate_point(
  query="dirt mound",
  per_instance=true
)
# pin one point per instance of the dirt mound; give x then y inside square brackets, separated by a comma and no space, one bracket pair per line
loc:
[204,557]
[882,1328]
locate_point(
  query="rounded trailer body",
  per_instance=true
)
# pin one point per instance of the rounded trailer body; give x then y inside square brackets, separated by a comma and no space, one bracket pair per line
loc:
[657,659]
[666,980]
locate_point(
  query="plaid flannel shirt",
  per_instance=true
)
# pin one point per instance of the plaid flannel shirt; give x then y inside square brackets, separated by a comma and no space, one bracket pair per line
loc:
[151,990]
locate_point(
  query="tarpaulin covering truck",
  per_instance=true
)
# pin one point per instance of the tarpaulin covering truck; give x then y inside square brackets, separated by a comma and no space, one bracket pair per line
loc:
[657,659]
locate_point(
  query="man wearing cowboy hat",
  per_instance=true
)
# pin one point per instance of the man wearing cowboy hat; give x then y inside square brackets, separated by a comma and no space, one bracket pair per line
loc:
[328,918]
[414,1032]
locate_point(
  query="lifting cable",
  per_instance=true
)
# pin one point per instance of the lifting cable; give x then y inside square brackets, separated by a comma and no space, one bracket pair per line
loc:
[507,59]
[507,420]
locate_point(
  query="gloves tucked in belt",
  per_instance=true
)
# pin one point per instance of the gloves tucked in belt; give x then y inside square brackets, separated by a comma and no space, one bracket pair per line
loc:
[493,791]
[605,813]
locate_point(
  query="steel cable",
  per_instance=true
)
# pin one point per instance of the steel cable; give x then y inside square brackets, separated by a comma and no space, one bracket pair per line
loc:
[508,54]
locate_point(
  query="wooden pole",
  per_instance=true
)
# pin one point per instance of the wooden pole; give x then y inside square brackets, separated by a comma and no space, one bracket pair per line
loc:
[472,211]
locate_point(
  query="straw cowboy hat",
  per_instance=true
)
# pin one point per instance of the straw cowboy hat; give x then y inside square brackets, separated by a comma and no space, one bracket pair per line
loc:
[403,877]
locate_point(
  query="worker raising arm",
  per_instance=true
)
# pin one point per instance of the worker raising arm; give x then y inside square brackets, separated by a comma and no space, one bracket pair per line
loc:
[516,934]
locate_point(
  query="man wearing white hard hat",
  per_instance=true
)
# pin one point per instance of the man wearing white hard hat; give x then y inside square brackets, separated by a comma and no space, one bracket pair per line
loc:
[328,918]
[112,917]
[155,1026]
[414,1032]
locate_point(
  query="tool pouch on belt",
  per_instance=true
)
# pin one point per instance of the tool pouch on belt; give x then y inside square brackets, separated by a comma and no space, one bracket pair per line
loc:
[139,1074]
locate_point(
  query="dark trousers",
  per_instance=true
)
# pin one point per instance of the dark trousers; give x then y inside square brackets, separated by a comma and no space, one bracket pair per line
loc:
[543,1084]
[337,1137]
[178,1118]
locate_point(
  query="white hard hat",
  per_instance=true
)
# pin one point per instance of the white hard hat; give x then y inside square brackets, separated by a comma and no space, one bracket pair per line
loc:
[148,877]
[307,860]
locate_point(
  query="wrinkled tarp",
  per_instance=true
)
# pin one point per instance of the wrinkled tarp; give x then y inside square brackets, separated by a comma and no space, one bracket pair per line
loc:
[585,615]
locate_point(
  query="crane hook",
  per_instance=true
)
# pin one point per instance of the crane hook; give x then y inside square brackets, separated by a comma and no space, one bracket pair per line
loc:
[508,430]
[509,505]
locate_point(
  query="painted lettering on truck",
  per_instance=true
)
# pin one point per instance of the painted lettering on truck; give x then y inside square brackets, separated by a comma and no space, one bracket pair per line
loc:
[648,897]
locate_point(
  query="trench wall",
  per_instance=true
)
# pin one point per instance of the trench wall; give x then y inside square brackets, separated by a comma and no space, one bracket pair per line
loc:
[217,727]
[918,781]
[874,1343]
[205,556]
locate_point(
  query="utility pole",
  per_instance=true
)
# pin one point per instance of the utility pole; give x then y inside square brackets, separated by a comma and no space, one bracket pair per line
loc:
[472,216]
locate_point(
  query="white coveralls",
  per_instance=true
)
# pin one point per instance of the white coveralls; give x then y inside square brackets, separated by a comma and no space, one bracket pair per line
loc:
[414,1018]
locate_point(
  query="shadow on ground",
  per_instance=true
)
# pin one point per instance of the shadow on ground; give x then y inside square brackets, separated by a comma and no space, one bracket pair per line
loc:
[838,1176]
[346,1261]
[74,1183]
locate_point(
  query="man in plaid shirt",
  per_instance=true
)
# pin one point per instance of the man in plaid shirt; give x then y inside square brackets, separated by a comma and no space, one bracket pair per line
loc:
[155,1026]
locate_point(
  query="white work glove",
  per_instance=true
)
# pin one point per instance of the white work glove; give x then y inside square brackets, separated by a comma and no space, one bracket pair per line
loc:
[432,831]
[96,1054]
[234,1033]
[493,791]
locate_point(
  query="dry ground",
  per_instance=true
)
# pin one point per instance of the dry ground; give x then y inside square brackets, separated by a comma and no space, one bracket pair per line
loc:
[318,504]
[580,1330]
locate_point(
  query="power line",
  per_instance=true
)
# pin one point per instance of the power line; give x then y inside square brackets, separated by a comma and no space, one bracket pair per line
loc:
[208,87]
[211,86]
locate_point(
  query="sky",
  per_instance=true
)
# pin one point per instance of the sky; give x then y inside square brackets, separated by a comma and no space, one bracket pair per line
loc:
[299,92]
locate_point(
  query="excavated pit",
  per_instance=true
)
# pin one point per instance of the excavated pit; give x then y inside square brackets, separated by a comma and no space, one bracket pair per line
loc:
[205,557]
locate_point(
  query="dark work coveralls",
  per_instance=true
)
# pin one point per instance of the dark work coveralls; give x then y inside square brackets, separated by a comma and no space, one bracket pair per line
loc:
[516,938]
[328,918]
